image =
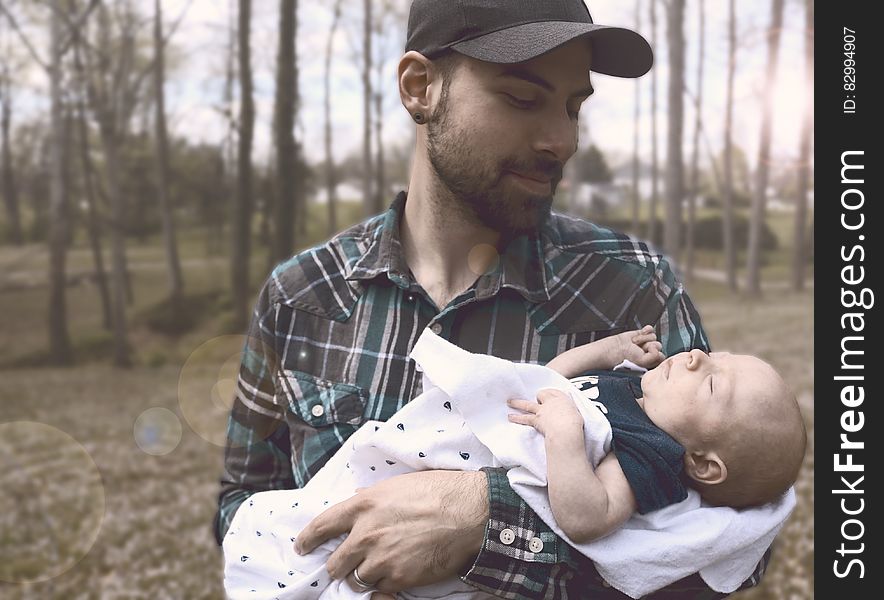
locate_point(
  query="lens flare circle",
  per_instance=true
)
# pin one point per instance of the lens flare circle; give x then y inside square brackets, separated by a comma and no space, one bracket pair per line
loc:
[52,502]
[157,431]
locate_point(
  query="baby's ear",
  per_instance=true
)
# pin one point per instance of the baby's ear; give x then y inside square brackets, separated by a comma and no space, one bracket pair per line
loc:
[705,467]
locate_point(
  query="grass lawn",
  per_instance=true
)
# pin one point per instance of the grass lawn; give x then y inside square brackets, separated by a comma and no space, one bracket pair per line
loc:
[150,514]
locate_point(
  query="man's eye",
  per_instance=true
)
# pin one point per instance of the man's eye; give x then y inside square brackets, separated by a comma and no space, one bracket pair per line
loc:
[519,102]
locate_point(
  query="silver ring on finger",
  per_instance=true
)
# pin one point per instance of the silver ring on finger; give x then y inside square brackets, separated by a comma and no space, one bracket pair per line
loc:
[364,585]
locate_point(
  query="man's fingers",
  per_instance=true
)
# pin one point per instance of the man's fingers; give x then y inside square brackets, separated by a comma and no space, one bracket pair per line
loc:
[344,559]
[365,575]
[335,521]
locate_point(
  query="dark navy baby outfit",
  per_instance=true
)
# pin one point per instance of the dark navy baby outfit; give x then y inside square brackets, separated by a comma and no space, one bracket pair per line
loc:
[650,458]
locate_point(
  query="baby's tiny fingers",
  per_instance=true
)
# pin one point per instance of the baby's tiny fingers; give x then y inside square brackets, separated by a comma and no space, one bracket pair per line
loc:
[521,419]
[522,405]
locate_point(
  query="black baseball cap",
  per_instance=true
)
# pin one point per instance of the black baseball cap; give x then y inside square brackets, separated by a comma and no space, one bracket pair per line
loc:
[513,31]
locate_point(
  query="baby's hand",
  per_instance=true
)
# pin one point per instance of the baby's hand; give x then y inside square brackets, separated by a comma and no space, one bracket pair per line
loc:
[553,413]
[639,346]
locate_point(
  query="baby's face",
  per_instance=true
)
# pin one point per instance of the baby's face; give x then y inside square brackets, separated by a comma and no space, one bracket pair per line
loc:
[695,396]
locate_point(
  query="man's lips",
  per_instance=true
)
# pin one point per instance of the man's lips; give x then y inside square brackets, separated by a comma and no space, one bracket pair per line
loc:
[538,177]
[534,181]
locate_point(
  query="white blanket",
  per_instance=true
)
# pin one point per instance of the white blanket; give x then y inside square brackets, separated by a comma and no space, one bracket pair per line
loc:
[460,422]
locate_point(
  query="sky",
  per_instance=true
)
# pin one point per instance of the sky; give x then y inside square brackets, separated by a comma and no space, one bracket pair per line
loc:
[195,85]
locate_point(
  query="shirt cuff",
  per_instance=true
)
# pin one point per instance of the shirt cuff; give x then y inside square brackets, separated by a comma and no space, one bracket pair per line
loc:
[515,539]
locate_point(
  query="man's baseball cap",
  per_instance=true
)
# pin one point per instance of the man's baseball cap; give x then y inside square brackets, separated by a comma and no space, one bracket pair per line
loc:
[513,31]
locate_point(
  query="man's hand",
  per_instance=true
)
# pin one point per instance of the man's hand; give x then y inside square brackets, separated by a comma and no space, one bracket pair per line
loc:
[406,531]
[554,414]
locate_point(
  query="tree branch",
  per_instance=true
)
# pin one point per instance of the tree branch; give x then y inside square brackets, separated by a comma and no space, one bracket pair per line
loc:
[23,37]
[74,25]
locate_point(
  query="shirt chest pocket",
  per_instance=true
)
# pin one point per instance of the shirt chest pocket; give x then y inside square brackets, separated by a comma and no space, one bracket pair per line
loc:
[320,403]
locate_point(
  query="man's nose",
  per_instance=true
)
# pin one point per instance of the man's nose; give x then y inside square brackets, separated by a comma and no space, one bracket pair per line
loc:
[557,137]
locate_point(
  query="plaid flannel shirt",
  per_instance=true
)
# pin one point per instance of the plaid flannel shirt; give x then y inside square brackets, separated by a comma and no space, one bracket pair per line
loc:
[328,347]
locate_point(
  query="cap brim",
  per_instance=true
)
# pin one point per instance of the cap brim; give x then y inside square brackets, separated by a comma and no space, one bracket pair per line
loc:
[615,51]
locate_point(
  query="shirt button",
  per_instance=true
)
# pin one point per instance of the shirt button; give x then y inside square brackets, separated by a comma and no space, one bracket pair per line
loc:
[437,329]
[535,545]
[507,536]
[317,410]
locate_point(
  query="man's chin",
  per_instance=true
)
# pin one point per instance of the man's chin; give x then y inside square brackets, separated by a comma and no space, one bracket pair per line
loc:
[525,220]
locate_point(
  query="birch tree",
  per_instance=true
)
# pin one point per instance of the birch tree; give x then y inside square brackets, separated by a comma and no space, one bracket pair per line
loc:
[655,190]
[799,256]
[331,176]
[288,184]
[161,145]
[636,193]
[759,198]
[242,209]
[675,109]
[727,221]
[695,153]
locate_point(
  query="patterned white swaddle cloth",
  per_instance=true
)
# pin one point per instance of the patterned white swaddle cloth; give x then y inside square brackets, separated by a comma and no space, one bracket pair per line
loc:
[460,422]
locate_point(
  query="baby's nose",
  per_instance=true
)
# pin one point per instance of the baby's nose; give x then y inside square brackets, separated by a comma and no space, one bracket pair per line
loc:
[696,358]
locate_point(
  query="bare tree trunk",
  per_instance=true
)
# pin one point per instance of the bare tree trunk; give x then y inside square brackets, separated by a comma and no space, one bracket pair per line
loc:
[287,176]
[176,281]
[331,176]
[799,256]
[59,341]
[380,184]
[759,199]
[93,226]
[371,208]
[636,193]
[93,220]
[727,221]
[119,270]
[655,189]
[695,158]
[229,158]
[10,191]
[674,157]
[242,211]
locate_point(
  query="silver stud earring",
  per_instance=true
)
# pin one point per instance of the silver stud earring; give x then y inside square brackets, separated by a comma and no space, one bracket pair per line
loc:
[418,117]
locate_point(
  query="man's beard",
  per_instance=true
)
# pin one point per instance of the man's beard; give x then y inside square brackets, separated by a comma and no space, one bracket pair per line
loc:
[476,181]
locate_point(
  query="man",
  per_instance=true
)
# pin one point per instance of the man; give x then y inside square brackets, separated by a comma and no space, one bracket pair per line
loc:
[473,252]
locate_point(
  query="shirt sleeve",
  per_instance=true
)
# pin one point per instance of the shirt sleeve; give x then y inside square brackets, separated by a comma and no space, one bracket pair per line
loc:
[258,452]
[517,565]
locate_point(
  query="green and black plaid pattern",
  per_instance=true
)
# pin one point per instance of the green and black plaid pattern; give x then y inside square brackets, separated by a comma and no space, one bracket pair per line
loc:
[328,347]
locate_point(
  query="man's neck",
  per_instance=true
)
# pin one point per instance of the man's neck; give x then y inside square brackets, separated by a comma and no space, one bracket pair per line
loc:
[445,248]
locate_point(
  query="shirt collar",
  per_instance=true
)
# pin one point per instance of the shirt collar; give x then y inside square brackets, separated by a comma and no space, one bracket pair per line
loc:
[521,265]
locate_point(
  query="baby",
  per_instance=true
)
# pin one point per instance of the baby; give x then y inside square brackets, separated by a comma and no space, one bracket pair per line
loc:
[728,425]
[695,418]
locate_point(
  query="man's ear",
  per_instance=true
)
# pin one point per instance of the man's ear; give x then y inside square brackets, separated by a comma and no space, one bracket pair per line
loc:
[415,77]
[705,467]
